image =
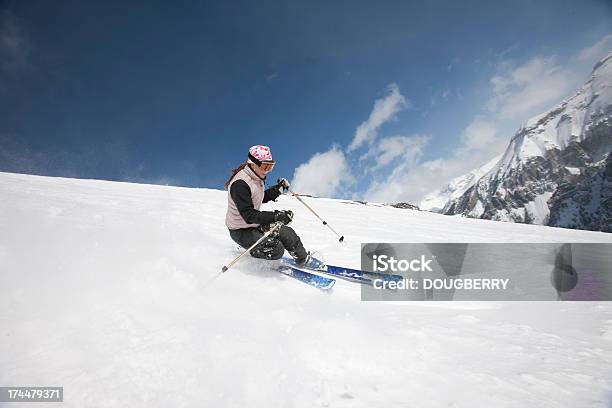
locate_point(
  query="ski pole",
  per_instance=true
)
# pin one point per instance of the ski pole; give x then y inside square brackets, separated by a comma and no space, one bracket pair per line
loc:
[264,236]
[313,211]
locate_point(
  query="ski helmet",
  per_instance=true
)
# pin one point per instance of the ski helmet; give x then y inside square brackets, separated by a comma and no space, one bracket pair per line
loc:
[261,155]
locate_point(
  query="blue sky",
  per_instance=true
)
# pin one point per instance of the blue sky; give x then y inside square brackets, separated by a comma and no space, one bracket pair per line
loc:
[176,92]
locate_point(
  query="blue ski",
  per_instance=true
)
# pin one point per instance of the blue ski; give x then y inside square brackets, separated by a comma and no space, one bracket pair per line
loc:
[319,282]
[342,271]
[355,275]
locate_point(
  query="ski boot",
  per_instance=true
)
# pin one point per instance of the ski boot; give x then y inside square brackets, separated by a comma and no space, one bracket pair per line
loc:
[310,262]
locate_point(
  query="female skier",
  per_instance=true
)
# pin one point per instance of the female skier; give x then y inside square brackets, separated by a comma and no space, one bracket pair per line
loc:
[247,224]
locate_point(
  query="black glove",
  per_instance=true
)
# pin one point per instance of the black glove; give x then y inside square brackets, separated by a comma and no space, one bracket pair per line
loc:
[284,216]
[282,183]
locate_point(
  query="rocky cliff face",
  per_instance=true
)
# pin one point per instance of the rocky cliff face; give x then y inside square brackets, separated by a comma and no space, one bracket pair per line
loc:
[554,167]
[585,205]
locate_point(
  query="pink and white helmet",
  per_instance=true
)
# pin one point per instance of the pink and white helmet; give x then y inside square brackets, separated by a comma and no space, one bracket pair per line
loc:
[259,154]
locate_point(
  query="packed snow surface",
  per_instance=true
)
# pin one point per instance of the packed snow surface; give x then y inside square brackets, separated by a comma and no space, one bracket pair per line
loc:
[111,291]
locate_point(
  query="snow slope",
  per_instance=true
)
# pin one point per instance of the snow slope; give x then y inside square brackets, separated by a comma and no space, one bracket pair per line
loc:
[109,290]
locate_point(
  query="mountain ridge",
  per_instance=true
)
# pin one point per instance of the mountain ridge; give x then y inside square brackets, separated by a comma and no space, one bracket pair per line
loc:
[564,146]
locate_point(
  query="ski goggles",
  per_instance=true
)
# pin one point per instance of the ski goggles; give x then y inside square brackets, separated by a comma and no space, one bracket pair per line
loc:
[267,166]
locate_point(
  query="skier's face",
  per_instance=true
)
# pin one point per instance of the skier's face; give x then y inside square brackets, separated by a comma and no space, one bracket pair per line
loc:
[263,170]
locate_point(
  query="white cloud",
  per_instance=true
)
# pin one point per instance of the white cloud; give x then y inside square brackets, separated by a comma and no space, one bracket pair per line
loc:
[394,186]
[411,183]
[410,180]
[325,174]
[477,135]
[407,148]
[598,50]
[517,91]
[383,111]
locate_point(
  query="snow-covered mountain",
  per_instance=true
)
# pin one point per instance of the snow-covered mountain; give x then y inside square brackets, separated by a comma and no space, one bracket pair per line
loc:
[561,151]
[111,290]
[436,200]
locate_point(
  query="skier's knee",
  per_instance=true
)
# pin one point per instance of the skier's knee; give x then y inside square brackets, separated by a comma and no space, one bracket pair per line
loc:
[286,233]
[272,249]
[277,250]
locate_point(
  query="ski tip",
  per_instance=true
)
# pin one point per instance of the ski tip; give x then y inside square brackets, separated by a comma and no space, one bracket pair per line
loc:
[224,269]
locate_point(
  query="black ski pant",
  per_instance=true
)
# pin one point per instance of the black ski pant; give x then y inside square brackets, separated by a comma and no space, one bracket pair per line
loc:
[273,247]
